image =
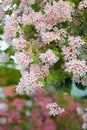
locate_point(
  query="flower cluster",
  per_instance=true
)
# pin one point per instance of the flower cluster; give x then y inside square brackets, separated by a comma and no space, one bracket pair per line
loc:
[40,71]
[4,57]
[75,42]
[59,12]
[23,58]
[28,84]
[49,57]
[71,54]
[83,4]
[19,43]
[54,109]
[77,67]
[39,34]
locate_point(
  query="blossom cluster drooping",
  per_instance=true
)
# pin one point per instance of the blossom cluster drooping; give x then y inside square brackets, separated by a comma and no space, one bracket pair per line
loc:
[72,64]
[28,84]
[54,109]
[38,33]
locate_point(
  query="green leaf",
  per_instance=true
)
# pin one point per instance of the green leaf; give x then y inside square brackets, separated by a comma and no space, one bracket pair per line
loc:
[47,85]
[10,51]
[35,59]
[29,31]
[17,2]
[50,77]
[1,30]
[34,47]
[27,47]
[36,7]
[64,103]
[17,34]
[9,12]
[9,76]
[57,53]
[85,40]
[41,80]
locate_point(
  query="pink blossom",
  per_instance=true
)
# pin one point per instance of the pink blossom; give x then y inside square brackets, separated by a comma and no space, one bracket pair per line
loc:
[2,13]
[10,29]
[49,57]
[83,4]
[54,109]
[48,37]
[40,71]
[26,19]
[24,57]
[84,81]
[28,84]
[69,53]
[75,42]
[19,43]
[77,67]
[6,3]
[59,12]
[4,57]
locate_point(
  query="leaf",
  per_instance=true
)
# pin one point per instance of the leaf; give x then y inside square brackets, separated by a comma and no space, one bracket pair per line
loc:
[29,31]
[17,2]
[35,59]
[34,47]
[50,77]
[64,103]
[27,47]
[57,53]
[10,51]
[85,40]
[9,76]
[9,12]
[41,80]
[47,85]
[1,30]
[36,7]
[17,34]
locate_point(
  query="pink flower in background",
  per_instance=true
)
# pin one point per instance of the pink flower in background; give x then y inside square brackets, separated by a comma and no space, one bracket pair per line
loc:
[18,103]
